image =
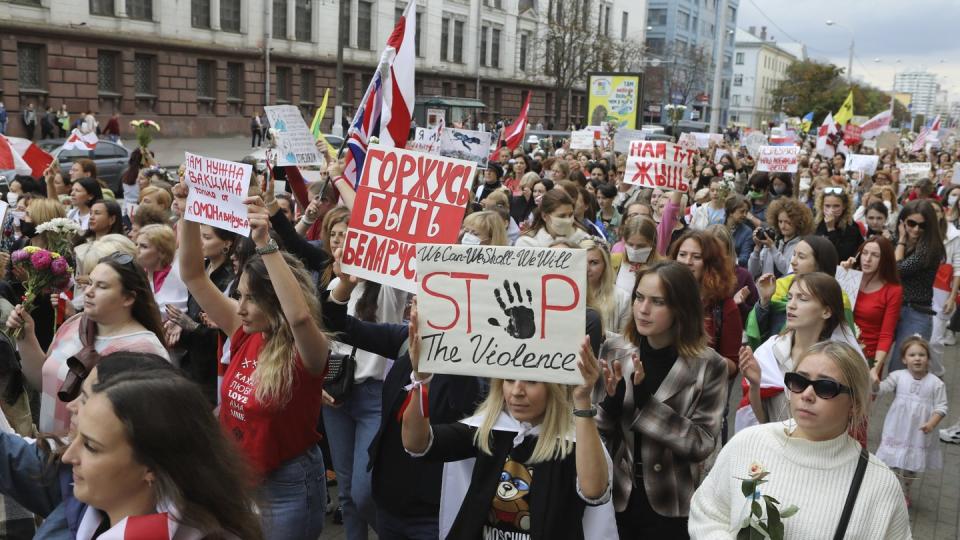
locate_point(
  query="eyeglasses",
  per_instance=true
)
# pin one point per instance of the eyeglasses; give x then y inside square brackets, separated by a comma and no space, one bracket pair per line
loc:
[914,224]
[833,191]
[824,388]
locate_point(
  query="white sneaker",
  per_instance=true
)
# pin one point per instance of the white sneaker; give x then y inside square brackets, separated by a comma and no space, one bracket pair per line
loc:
[950,435]
[949,339]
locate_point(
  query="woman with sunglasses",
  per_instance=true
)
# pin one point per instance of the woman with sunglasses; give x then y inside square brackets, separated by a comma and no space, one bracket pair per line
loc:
[272,389]
[834,217]
[809,460]
[814,313]
[119,303]
[661,415]
[919,252]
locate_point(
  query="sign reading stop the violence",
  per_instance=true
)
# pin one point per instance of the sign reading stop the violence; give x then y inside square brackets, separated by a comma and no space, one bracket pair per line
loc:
[217,190]
[778,159]
[658,164]
[504,312]
[403,199]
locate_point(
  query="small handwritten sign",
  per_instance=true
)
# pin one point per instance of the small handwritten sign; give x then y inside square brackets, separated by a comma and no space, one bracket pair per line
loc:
[217,190]
[849,281]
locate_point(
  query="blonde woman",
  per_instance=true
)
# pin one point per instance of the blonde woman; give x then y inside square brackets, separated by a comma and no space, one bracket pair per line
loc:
[811,460]
[638,249]
[484,228]
[610,301]
[156,251]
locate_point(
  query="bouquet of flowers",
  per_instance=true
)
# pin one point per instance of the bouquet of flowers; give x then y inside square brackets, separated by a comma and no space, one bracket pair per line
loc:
[145,129]
[42,272]
[60,233]
[756,525]
[725,188]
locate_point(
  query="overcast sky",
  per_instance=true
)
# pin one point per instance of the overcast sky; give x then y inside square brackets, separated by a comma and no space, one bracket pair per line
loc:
[918,33]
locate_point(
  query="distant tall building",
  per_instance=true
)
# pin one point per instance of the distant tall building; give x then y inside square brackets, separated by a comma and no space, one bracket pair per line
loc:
[923,88]
[758,67]
[673,28]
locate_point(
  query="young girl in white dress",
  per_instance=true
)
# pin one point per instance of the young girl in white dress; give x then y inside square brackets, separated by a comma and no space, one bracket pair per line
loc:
[909,445]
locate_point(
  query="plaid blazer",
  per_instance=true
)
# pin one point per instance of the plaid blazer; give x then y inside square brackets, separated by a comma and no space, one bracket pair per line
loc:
[679,428]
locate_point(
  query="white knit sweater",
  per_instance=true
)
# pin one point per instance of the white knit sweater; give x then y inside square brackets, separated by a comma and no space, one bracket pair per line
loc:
[815,476]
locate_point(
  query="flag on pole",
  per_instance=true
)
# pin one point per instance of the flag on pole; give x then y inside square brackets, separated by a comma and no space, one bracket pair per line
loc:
[827,129]
[386,109]
[512,135]
[873,127]
[806,123]
[845,113]
[318,116]
[928,133]
[81,141]
[23,156]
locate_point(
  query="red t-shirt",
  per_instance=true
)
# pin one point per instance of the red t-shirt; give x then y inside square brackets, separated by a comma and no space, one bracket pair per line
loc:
[877,314]
[267,436]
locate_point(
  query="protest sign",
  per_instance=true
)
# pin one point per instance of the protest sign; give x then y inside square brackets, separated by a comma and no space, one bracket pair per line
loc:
[705,139]
[719,153]
[910,173]
[424,140]
[658,164]
[504,312]
[295,142]
[687,140]
[581,140]
[778,158]
[403,199]
[888,140]
[870,144]
[623,136]
[849,281]
[217,190]
[3,210]
[465,144]
[753,141]
[864,163]
[955,180]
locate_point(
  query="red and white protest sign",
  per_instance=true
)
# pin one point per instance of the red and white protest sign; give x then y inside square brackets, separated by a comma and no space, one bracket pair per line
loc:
[852,134]
[404,198]
[217,190]
[658,164]
[778,158]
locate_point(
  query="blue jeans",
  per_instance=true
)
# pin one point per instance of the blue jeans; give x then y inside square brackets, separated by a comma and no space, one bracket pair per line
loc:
[911,322]
[390,527]
[294,498]
[351,428]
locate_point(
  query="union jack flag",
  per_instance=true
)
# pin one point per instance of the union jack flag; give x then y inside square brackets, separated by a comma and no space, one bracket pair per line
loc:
[366,123]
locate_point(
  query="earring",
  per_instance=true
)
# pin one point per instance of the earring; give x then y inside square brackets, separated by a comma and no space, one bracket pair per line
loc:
[225,250]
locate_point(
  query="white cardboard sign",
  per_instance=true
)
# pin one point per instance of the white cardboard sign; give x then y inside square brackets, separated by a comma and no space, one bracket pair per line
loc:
[504,312]
[910,173]
[864,163]
[623,136]
[466,144]
[581,140]
[295,144]
[778,158]
[217,190]
[849,281]
[658,164]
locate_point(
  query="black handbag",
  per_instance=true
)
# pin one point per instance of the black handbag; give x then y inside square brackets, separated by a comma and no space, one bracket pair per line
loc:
[338,382]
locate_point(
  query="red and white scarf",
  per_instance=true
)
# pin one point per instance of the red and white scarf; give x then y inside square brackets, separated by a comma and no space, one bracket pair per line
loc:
[160,526]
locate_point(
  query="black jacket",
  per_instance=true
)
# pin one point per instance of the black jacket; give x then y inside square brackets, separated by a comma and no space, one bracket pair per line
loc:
[200,361]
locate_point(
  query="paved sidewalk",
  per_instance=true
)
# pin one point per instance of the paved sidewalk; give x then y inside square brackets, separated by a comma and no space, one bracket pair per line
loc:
[169,152]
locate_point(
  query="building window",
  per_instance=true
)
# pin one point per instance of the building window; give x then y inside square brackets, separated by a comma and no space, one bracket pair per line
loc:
[284,79]
[230,15]
[458,27]
[523,51]
[623,26]
[524,5]
[102,7]
[738,80]
[143,79]
[108,72]
[493,3]
[683,20]
[498,98]
[483,45]
[736,100]
[495,48]
[304,21]
[140,9]
[655,45]
[280,19]
[444,38]
[364,24]
[657,17]
[206,73]
[200,13]
[461,90]
[308,93]
[234,80]
[447,89]
[31,61]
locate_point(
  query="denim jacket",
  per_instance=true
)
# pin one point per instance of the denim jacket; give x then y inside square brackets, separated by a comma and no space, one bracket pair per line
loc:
[46,491]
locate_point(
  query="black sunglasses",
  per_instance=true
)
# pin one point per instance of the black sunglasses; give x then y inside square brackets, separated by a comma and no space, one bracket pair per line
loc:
[824,388]
[914,224]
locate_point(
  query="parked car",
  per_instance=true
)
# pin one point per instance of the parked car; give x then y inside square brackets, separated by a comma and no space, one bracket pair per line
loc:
[111,160]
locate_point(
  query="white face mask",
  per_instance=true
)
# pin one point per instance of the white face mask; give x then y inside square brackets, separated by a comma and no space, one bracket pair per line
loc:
[470,239]
[637,255]
[561,226]
[952,199]
[12,198]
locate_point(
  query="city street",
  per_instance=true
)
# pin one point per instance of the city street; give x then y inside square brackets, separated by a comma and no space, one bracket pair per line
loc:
[169,151]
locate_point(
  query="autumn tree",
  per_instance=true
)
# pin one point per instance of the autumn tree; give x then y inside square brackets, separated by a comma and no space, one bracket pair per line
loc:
[818,87]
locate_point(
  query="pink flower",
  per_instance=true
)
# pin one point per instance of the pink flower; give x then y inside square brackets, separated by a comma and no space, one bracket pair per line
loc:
[19,255]
[59,266]
[41,260]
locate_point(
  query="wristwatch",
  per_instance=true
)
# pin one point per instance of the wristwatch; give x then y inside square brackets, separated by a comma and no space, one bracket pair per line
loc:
[271,247]
[585,413]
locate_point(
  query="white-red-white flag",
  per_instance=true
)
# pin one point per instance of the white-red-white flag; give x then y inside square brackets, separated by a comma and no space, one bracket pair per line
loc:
[827,129]
[81,141]
[873,127]
[23,156]
[512,135]
[398,83]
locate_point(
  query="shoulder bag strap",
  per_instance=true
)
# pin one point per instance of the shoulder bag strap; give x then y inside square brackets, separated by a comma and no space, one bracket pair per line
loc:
[852,495]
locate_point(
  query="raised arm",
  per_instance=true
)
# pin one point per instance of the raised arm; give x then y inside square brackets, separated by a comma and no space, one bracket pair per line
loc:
[593,475]
[310,341]
[31,354]
[415,432]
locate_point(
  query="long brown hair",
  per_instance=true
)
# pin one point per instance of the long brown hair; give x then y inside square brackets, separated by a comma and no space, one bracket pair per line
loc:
[682,295]
[825,289]
[133,281]
[718,281]
[931,238]
[887,268]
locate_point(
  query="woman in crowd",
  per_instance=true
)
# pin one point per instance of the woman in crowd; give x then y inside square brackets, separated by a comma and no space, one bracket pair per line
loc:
[834,216]
[156,251]
[523,204]
[790,220]
[875,220]
[781,185]
[156,196]
[483,229]
[553,219]
[608,216]
[810,460]
[665,390]
[119,304]
[560,469]
[83,193]
[759,198]
[878,303]
[919,252]
[736,210]
[707,259]
[815,313]
[610,301]
[272,389]
[106,217]
[951,205]
[746,294]
[713,212]
[638,249]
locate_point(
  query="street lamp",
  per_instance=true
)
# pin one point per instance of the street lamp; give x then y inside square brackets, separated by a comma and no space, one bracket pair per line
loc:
[850,61]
